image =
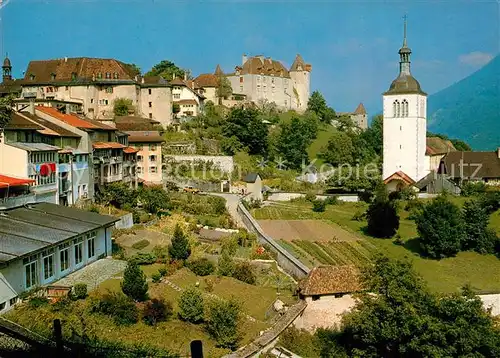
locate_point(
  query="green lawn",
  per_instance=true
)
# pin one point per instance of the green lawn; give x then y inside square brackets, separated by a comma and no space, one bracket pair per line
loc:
[324,134]
[482,272]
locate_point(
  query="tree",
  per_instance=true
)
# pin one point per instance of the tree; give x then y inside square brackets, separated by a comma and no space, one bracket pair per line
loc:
[317,104]
[339,150]
[179,249]
[119,195]
[134,283]
[157,310]
[292,143]
[223,320]
[478,236]
[6,104]
[121,106]
[225,266]
[383,219]
[440,226]
[154,199]
[224,89]
[191,308]
[245,272]
[373,136]
[246,125]
[136,70]
[403,319]
[167,70]
[175,108]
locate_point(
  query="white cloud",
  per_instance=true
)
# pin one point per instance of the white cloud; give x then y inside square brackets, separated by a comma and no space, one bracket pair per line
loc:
[475,58]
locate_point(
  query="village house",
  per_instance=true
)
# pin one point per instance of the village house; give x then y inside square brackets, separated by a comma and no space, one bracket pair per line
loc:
[254,186]
[264,79]
[89,86]
[149,155]
[42,243]
[461,167]
[187,95]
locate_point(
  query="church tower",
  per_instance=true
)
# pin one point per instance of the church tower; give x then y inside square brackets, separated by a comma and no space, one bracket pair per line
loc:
[6,70]
[405,122]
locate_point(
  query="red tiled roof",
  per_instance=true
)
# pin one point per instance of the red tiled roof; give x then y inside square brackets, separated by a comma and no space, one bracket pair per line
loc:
[145,137]
[130,150]
[186,101]
[107,145]
[6,181]
[328,280]
[360,109]
[207,80]
[399,175]
[73,120]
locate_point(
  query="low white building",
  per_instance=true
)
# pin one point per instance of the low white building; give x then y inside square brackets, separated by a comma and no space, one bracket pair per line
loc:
[186,95]
[42,243]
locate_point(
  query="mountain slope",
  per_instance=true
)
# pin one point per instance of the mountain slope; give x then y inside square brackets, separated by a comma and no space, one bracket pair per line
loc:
[469,109]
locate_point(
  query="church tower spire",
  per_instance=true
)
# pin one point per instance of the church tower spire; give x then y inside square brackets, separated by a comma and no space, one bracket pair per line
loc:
[6,69]
[404,53]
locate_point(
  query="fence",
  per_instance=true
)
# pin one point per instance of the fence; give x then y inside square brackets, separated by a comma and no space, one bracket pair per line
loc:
[285,259]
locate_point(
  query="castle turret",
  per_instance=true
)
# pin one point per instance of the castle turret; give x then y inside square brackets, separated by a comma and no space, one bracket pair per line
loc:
[300,72]
[6,70]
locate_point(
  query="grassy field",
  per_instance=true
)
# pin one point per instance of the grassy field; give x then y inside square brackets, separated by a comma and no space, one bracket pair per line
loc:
[482,272]
[324,134]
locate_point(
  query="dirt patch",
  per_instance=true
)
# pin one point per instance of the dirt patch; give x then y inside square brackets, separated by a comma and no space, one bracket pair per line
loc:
[309,230]
[154,238]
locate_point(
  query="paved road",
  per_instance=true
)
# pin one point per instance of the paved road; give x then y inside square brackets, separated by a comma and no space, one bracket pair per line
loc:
[232,201]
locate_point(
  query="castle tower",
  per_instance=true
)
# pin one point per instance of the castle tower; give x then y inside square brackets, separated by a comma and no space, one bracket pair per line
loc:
[404,122]
[6,70]
[300,73]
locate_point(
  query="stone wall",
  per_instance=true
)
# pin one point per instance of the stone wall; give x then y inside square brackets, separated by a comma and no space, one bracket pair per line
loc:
[492,301]
[283,196]
[224,163]
[126,222]
[286,260]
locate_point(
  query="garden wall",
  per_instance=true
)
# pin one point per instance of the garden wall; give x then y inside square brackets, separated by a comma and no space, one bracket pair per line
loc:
[223,162]
[199,184]
[284,196]
[126,222]
[285,259]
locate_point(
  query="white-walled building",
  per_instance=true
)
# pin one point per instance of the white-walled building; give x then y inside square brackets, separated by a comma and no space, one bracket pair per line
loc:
[42,243]
[187,97]
[404,110]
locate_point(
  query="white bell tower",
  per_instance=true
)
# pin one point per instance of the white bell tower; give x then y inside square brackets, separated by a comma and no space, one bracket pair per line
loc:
[405,123]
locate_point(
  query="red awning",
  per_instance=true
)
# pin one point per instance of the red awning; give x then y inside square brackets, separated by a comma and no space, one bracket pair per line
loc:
[6,181]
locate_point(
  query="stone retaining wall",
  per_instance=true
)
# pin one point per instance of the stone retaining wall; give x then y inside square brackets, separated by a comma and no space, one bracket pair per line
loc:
[285,259]
[126,222]
[223,162]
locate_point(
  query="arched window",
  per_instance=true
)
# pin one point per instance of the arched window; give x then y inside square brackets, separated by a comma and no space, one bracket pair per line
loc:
[405,108]
[396,107]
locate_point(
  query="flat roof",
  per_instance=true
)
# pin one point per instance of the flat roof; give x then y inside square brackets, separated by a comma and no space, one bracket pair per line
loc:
[34,147]
[31,228]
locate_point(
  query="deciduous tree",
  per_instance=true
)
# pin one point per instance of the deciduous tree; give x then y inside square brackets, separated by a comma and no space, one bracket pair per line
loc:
[167,70]
[223,320]
[191,307]
[122,106]
[246,125]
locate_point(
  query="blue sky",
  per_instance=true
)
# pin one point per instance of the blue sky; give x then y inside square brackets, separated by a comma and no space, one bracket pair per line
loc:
[352,45]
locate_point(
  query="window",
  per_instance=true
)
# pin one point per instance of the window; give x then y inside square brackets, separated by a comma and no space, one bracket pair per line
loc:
[73,76]
[139,158]
[66,88]
[151,116]
[2,306]
[139,170]
[241,79]
[109,89]
[405,108]
[152,147]
[64,257]
[241,88]
[258,78]
[286,102]
[115,76]
[149,91]
[13,301]
[396,108]
[108,75]
[32,77]
[91,100]
[153,169]
[53,76]
[152,158]
[150,104]
[91,247]
[78,252]
[48,266]
[31,273]
[177,95]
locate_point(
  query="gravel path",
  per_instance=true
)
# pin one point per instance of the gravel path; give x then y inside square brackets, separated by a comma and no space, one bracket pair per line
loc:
[94,274]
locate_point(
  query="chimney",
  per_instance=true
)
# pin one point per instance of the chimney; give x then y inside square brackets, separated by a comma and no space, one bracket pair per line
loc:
[142,80]
[192,84]
[498,153]
[261,57]
[243,59]
[65,59]
[173,76]
[185,76]
[32,106]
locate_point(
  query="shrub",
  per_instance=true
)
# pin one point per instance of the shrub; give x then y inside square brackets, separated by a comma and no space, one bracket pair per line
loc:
[245,238]
[157,310]
[209,284]
[62,304]
[139,245]
[332,200]
[319,206]
[163,271]
[161,253]
[223,319]
[245,272]
[94,209]
[359,215]
[472,188]
[300,341]
[191,307]
[134,283]
[80,291]
[143,258]
[398,240]
[441,228]
[201,267]
[229,245]
[179,249]
[156,277]
[310,196]
[225,265]
[382,216]
[117,251]
[116,305]
[478,236]
[218,205]
[366,196]
[37,301]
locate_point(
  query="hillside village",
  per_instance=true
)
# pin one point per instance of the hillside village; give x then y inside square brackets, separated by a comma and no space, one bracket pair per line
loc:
[158,214]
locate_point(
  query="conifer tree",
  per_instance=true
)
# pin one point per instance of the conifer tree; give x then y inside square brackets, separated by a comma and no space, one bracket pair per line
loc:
[134,283]
[179,249]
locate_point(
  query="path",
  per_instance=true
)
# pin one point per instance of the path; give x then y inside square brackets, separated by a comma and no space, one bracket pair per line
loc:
[232,201]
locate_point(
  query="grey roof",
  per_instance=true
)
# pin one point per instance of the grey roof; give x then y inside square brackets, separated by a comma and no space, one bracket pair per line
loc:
[24,230]
[251,177]
[34,147]
[405,84]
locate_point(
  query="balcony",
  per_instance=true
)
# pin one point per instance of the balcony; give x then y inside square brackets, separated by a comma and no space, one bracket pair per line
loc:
[28,94]
[111,178]
[115,160]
